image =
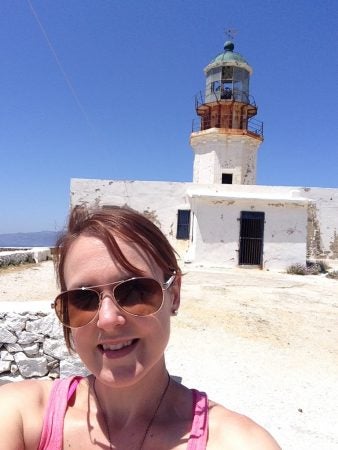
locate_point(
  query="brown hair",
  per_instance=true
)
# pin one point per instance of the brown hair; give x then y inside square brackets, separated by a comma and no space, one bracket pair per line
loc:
[106,224]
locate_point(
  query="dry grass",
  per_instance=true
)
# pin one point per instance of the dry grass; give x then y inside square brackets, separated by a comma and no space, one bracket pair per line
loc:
[12,268]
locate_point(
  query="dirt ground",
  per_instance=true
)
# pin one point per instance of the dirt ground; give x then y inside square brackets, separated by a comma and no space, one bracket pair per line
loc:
[262,343]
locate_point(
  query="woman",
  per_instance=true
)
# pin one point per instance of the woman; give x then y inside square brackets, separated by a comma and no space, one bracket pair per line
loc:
[120,283]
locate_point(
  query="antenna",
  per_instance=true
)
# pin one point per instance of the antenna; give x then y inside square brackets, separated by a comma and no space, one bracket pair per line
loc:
[230,33]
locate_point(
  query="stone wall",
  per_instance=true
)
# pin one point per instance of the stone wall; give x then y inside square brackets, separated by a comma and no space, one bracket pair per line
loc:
[24,255]
[32,346]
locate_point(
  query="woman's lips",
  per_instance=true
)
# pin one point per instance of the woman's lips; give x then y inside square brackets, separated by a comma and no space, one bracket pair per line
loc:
[118,350]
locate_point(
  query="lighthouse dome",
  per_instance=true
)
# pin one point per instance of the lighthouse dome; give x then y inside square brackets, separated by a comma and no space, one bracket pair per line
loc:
[229,58]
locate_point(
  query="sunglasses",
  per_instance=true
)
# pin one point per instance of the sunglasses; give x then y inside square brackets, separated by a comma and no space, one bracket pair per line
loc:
[138,296]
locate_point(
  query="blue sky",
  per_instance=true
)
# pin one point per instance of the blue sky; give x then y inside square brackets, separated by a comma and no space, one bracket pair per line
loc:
[108,92]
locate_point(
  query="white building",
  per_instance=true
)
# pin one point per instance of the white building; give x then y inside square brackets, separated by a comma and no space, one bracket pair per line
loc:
[222,218]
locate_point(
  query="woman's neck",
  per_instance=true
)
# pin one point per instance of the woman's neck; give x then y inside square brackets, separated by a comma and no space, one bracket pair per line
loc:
[122,406]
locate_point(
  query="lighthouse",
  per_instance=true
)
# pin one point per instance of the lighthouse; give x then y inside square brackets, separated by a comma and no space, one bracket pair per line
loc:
[227,136]
[222,218]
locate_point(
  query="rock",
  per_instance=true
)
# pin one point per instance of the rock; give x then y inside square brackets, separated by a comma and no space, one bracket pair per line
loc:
[14,369]
[7,337]
[55,363]
[31,367]
[31,349]
[6,356]
[13,347]
[15,322]
[55,348]
[48,326]
[26,337]
[5,366]
[9,378]
[55,373]
[34,316]
[72,366]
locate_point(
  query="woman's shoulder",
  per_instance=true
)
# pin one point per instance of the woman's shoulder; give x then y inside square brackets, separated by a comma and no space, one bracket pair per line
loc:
[22,406]
[25,389]
[228,429]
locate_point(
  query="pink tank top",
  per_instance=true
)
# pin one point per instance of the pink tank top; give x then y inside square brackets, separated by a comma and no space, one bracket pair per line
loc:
[61,393]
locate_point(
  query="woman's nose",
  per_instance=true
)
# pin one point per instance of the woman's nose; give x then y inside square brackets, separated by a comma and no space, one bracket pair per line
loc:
[110,314]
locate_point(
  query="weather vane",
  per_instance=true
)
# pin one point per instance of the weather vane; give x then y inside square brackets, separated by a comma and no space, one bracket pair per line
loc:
[230,33]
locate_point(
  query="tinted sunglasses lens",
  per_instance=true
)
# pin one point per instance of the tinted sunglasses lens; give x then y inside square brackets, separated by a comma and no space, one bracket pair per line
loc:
[77,307]
[141,296]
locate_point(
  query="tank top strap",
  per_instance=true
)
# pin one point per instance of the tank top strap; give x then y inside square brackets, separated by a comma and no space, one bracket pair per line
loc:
[52,428]
[199,429]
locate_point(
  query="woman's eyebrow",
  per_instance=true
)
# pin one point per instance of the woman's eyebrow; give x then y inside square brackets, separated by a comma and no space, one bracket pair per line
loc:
[113,281]
[78,284]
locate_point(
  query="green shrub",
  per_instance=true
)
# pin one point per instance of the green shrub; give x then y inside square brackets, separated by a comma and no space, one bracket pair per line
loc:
[313,269]
[316,267]
[297,269]
[333,274]
[324,266]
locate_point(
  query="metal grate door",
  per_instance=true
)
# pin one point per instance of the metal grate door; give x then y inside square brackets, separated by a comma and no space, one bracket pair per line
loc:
[251,238]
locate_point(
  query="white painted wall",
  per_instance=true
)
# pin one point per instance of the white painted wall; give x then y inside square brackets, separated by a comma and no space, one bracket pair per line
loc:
[284,236]
[217,231]
[216,209]
[159,200]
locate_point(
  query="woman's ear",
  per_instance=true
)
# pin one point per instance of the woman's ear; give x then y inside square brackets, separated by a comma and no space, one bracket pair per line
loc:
[176,295]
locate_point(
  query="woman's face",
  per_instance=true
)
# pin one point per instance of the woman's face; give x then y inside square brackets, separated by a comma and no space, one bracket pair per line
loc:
[117,347]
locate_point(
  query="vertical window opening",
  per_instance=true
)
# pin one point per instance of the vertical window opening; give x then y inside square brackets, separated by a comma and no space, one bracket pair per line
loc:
[183,224]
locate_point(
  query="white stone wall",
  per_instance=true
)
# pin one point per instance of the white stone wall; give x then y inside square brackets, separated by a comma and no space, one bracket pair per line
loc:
[217,153]
[20,256]
[32,344]
[157,200]
[323,222]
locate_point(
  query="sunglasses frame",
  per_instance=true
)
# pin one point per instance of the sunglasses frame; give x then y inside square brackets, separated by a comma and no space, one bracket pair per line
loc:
[164,286]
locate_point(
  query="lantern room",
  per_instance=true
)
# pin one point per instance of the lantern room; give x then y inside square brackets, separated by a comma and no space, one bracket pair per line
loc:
[227,102]
[227,77]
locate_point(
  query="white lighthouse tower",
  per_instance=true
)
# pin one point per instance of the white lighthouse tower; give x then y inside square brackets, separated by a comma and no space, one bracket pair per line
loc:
[227,137]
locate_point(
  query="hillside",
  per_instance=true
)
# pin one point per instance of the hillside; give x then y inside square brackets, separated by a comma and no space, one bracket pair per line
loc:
[33,239]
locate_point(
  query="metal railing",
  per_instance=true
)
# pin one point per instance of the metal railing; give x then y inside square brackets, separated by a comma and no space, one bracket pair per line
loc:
[225,94]
[228,122]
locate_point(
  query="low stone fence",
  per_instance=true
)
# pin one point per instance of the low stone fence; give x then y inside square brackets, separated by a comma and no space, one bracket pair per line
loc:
[32,344]
[23,255]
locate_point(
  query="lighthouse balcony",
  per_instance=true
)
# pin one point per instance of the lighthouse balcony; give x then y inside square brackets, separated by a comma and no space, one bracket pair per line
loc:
[229,124]
[224,93]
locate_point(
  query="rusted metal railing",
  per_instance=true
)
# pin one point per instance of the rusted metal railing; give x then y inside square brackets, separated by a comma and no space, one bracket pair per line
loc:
[228,122]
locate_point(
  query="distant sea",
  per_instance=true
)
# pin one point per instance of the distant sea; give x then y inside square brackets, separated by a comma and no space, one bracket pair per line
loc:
[34,239]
